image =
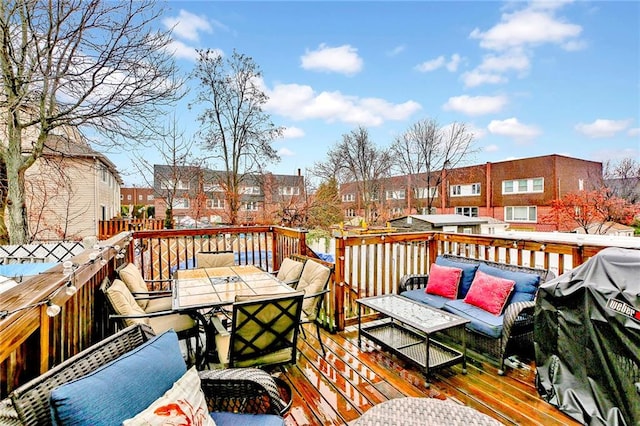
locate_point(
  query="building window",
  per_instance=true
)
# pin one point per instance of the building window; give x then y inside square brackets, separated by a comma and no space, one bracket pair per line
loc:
[522,186]
[250,190]
[104,176]
[427,210]
[128,197]
[580,185]
[250,206]
[467,211]
[215,203]
[395,195]
[180,203]
[289,190]
[422,192]
[348,197]
[212,187]
[521,214]
[103,212]
[150,197]
[140,197]
[170,184]
[465,190]
[350,213]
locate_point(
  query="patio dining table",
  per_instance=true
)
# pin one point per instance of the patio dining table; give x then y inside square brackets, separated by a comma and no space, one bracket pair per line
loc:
[203,292]
[216,287]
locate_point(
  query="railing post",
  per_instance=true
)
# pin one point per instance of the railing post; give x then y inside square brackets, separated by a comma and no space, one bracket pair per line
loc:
[339,284]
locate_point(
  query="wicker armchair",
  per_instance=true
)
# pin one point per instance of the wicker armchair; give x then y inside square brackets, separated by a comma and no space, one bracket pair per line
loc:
[235,390]
[517,329]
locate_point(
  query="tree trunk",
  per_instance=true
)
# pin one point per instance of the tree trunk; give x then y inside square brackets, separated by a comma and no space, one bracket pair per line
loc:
[18,225]
[4,233]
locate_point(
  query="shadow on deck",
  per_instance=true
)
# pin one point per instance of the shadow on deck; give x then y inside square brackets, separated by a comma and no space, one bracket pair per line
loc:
[338,388]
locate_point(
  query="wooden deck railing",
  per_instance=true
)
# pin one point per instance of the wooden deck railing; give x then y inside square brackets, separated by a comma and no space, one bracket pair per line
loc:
[109,228]
[369,265]
[31,341]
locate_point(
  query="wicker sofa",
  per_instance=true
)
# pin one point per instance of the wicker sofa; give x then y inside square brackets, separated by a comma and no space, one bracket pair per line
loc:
[497,336]
[127,373]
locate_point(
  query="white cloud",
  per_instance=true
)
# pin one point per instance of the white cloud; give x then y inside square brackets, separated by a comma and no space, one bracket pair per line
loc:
[511,127]
[181,50]
[491,148]
[475,105]
[301,102]
[431,65]
[453,63]
[476,78]
[439,62]
[478,132]
[285,152]
[293,133]
[528,27]
[602,128]
[342,59]
[187,25]
[396,50]
[634,132]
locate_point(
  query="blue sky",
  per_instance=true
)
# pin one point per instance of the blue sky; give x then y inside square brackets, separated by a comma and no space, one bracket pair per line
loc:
[528,78]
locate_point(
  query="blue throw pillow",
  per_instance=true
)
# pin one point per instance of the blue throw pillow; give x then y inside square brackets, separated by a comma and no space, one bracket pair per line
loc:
[121,389]
[468,273]
[526,284]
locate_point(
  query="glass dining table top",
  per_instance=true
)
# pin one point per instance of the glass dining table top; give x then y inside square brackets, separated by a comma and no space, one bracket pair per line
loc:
[213,287]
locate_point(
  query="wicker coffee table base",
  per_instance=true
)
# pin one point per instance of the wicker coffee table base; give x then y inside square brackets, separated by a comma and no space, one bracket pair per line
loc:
[423,411]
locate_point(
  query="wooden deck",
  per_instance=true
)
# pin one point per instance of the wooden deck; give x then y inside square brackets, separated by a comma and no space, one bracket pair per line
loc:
[338,388]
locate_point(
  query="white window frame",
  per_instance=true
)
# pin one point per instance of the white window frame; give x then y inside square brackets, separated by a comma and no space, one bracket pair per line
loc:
[346,198]
[250,190]
[395,195]
[467,190]
[470,209]
[250,206]
[350,213]
[289,190]
[180,203]
[523,186]
[396,211]
[421,193]
[149,197]
[212,187]
[215,203]
[531,213]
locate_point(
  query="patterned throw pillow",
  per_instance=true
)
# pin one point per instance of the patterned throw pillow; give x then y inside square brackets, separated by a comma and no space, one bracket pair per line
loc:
[489,293]
[183,404]
[443,281]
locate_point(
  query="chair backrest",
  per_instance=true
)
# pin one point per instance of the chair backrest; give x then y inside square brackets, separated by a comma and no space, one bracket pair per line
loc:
[314,279]
[215,259]
[265,331]
[121,302]
[132,277]
[290,270]
[31,400]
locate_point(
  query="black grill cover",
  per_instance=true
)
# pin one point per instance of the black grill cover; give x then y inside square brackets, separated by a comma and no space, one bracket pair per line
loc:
[587,339]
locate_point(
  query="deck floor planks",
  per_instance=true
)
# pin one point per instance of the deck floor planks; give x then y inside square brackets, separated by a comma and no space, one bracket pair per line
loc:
[337,388]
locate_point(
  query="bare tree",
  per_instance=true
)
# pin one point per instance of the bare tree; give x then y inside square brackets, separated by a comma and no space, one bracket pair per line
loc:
[180,174]
[623,179]
[235,129]
[93,63]
[362,163]
[425,153]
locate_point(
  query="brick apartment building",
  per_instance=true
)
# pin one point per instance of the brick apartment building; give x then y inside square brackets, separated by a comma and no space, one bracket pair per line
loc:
[137,196]
[265,199]
[518,192]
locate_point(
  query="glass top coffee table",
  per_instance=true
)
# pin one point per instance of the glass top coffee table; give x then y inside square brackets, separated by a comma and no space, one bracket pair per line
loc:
[407,330]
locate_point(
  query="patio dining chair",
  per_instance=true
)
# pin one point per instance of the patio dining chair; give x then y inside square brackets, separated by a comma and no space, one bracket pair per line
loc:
[156,299]
[289,271]
[264,331]
[215,259]
[314,282]
[126,311]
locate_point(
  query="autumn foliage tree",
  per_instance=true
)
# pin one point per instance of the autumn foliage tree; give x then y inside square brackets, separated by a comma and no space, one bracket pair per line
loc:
[592,211]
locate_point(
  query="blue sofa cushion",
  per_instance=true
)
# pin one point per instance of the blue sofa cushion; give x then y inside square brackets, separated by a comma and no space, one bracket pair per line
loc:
[122,388]
[419,295]
[481,320]
[468,273]
[224,418]
[526,284]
